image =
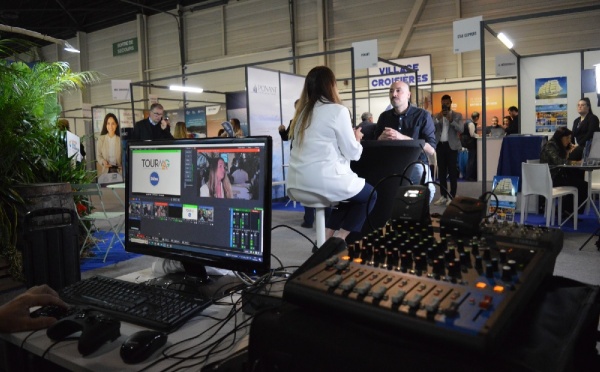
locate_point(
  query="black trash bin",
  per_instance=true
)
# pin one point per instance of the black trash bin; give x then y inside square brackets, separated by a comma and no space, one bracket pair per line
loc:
[50,247]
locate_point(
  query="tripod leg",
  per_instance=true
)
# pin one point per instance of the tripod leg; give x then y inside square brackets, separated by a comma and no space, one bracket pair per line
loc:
[595,233]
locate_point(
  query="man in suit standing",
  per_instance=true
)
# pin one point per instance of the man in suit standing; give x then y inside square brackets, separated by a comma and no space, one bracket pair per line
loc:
[154,127]
[448,125]
[513,128]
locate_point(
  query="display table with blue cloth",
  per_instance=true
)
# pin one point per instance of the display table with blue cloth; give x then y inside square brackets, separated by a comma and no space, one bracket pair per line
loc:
[517,149]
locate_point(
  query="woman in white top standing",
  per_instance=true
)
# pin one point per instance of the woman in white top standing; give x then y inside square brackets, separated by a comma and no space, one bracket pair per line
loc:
[323,145]
[108,148]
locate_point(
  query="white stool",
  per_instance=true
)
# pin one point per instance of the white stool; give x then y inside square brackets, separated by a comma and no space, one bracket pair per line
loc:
[313,200]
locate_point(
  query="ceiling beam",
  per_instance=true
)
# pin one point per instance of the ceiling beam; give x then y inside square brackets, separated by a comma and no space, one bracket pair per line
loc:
[408,28]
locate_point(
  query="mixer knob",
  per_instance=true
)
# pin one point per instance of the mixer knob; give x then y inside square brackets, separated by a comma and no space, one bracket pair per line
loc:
[348,284]
[438,267]
[460,245]
[489,271]
[465,259]
[433,305]
[430,253]
[395,255]
[351,250]
[378,292]
[415,301]
[363,288]
[452,310]
[503,256]
[487,254]
[475,249]
[420,263]
[398,297]
[334,281]
[495,265]
[507,273]
[478,262]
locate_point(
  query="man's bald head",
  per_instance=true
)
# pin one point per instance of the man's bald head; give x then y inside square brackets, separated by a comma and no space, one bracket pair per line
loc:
[399,96]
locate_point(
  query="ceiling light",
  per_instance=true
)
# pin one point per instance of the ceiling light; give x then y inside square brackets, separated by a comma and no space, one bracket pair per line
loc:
[181,88]
[71,48]
[505,40]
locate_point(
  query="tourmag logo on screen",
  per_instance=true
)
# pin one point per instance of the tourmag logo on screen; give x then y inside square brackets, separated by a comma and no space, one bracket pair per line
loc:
[156,172]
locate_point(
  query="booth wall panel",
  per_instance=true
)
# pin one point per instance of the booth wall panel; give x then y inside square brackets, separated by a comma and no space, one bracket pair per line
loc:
[101,60]
[255,26]
[204,35]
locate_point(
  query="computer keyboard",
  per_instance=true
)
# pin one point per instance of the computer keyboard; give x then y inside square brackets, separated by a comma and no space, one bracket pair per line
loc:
[149,306]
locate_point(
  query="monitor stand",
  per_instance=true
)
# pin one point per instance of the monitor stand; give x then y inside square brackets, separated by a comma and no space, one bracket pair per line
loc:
[195,280]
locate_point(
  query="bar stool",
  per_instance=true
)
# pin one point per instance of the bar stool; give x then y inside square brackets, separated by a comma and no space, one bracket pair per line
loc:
[313,200]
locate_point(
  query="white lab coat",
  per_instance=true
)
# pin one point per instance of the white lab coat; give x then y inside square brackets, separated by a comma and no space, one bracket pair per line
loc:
[322,164]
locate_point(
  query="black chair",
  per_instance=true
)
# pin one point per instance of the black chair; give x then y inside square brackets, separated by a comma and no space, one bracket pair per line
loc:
[379,160]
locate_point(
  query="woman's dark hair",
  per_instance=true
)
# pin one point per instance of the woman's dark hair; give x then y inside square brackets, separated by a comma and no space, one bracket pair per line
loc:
[104,130]
[319,86]
[588,103]
[560,133]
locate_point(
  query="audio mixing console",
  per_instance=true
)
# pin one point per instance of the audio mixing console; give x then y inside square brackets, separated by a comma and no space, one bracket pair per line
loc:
[428,282]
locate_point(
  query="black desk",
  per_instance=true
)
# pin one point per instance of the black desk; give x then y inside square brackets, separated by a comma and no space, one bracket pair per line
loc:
[556,332]
[517,149]
[64,355]
[380,159]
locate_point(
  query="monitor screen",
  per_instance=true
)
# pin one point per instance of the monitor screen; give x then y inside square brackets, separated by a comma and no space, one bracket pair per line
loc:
[204,202]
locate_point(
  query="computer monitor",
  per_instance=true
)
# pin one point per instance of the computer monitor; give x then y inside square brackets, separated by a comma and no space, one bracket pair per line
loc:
[173,211]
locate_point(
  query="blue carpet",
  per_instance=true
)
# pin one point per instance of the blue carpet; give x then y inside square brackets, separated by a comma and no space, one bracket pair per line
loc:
[587,223]
[281,206]
[116,254]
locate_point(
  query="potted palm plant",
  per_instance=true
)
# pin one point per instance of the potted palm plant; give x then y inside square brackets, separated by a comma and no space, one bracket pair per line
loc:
[32,148]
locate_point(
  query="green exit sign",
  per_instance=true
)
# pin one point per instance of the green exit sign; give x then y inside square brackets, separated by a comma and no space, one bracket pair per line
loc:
[125,47]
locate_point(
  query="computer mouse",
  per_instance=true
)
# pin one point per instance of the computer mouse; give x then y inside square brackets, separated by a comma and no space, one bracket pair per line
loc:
[141,345]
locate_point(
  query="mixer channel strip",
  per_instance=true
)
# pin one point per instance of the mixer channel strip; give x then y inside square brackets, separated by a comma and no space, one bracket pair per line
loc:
[463,291]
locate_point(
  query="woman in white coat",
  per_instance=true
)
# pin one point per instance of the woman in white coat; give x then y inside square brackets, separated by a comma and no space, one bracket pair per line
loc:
[323,145]
[108,148]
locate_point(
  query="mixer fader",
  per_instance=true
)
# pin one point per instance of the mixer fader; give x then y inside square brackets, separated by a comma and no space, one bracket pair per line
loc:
[430,282]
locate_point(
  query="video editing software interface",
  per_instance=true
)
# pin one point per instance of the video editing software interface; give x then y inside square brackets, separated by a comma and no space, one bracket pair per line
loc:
[199,198]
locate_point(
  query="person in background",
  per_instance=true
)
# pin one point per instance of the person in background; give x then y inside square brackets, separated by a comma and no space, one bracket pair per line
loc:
[403,121]
[367,127]
[15,314]
[308,219]
[63,124]
[240,176]
[218,185]
[324,143]
[108,148]
[448,124]
[180,130]
[513,127]
[556,152]
[468,140]
[584,128]
[495,122]
[154,127]
[237,129]
[507,122]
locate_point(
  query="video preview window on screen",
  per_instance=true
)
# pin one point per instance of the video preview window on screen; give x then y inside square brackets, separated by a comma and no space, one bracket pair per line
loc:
[198,198]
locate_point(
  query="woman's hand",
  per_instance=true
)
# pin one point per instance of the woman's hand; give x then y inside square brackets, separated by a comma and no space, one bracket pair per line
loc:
[358,134]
